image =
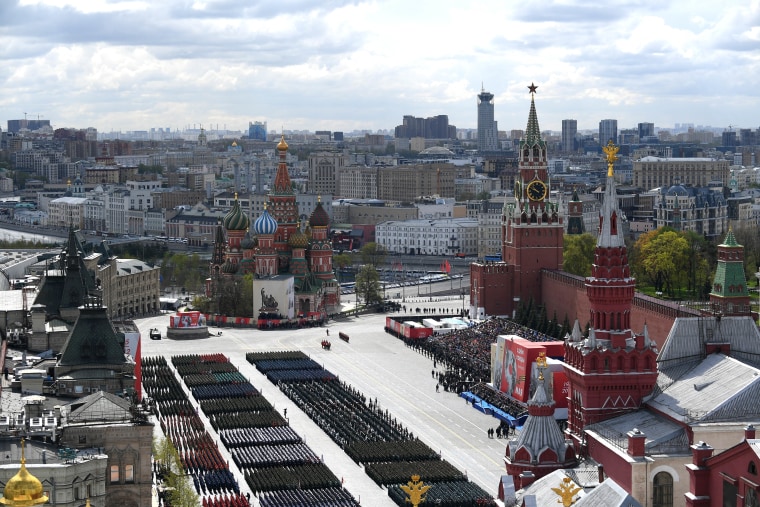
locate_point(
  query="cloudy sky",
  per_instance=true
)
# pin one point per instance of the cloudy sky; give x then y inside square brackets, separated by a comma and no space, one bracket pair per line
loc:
[353,64]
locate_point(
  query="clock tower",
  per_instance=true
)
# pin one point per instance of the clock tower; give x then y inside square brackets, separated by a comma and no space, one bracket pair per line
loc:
[532,228]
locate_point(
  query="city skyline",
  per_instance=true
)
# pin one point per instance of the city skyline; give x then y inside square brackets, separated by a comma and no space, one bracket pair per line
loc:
[353,65]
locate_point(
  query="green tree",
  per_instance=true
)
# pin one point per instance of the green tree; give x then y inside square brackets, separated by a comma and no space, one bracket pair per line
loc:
[181,491]
[373,254]
[341,261]
[664,261]
[368,285]
[578,254]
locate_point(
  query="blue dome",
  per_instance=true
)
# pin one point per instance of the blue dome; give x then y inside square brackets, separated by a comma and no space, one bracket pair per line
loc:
[265,224]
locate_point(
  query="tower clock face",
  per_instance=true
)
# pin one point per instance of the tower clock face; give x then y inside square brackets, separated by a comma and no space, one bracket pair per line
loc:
[536,190]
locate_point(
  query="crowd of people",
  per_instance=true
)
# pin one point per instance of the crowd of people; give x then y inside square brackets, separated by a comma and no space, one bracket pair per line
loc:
[499,400]
[465,354]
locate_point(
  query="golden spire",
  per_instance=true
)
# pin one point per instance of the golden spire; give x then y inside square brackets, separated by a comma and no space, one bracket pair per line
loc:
[541,363]
[415,489]
[23,489]
[611,151]
[566,491]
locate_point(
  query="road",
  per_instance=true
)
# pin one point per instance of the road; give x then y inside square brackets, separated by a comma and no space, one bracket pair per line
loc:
[378,365]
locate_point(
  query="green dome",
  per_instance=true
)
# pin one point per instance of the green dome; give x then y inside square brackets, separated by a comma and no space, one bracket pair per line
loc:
[236,220]
[298,240]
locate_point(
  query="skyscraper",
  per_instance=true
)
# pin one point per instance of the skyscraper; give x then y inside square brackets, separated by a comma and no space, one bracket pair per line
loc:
[646,132]
[569,131]
[487,130]
[607,131]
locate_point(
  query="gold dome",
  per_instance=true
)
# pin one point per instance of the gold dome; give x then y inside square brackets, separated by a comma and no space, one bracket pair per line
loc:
[23,489]
[282,145]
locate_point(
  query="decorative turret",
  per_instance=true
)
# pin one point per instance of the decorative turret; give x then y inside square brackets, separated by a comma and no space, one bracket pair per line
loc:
[541,448]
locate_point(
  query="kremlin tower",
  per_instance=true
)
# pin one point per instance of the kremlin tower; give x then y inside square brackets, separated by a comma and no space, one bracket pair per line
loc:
[532,233]
[729,295]
[612,370]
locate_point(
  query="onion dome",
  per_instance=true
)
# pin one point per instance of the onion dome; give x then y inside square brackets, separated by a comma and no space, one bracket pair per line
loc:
[229,267]
[265,224]
[298,240]
[236,220]
[23,488]
[282,145]
[319,217]
[248,241]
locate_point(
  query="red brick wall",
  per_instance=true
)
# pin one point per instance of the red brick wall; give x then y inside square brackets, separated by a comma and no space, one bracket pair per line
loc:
[565,294]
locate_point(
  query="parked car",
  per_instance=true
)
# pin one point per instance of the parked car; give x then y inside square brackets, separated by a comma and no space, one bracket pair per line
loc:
[155,334]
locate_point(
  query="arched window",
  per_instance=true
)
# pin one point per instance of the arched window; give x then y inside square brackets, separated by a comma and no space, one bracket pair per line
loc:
[752,468]
[662,490]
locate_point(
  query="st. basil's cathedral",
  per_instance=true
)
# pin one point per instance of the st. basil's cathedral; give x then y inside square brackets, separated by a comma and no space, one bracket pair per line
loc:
[291,264]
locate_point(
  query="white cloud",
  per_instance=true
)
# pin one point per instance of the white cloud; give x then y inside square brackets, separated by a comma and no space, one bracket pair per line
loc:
[342,64]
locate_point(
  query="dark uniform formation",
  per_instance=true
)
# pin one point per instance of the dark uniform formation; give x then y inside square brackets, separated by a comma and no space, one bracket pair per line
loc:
[198,452]
[272,457]
[370,435]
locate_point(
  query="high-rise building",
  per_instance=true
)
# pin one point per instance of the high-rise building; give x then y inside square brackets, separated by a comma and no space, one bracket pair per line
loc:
[257,131]
[607,132]
[569,131]
[435,127]
[646,132]
[487,128]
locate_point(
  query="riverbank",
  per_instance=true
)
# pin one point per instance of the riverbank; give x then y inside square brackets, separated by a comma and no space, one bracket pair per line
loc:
[12,231]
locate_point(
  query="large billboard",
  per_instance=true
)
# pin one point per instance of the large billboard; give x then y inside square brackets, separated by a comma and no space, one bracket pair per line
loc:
[514,366]
[187,320]
[274,297]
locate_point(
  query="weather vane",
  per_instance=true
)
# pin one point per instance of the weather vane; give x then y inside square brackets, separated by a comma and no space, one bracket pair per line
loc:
[611,151]
[541,363]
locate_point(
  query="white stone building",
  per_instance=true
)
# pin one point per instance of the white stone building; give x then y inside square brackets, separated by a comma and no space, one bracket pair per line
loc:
[429,237]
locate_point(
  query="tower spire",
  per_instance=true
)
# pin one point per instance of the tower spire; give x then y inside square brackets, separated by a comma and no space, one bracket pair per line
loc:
[532,132]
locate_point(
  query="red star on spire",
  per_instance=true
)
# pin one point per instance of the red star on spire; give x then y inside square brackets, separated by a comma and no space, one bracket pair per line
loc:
[532,88]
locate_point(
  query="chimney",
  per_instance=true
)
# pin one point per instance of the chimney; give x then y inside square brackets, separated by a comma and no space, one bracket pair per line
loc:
[636,441]
[749,432]
[700,452]
[600,470]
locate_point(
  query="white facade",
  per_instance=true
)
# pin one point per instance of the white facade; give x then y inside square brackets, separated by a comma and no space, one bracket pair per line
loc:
[429,237]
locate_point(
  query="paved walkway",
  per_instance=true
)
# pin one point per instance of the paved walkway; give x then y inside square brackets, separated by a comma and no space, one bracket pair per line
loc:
[378,365]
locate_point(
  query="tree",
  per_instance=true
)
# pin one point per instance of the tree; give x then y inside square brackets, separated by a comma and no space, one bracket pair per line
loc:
[181,491]
[373,254]
[368,285]
[578,254]
[341,261]
[664,259]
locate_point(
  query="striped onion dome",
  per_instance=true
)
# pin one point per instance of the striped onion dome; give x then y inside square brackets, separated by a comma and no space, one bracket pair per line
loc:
[229,267]
[265,224]
[236,220]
